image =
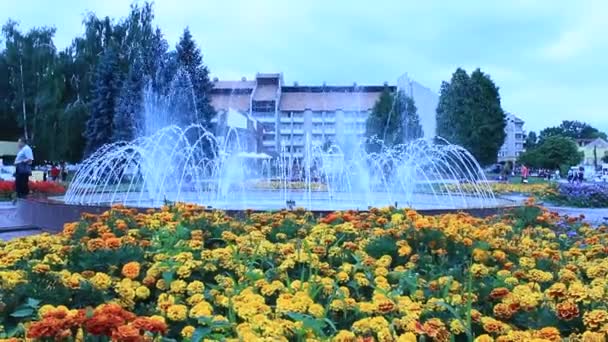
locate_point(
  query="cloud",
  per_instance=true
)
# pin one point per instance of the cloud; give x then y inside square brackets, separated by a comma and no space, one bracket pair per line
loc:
[587,33]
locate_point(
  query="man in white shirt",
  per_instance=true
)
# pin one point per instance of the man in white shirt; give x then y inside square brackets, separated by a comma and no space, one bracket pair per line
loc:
[23,168]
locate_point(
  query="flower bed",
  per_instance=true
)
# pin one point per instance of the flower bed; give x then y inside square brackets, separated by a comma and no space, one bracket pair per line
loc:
[279,185]
[386,275]
[581,195]
[7,188]
[539,190]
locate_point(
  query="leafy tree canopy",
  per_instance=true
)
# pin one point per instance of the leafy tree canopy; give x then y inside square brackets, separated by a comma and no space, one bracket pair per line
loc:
[552,153]
[469,114]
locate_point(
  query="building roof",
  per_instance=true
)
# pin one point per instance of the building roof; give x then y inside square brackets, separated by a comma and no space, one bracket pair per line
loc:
[233,84]
[328,101]
[239,102]
[266,92]
[598,143]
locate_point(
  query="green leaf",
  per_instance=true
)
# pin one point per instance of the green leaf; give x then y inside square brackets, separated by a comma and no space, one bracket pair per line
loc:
[24,312]
[200,333]
[33,303]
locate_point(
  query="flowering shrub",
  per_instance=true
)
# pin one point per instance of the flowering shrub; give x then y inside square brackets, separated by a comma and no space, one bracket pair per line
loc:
[383,275]
[581,195]
[7,188]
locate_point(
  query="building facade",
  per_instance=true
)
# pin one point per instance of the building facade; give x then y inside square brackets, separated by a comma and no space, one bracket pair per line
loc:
[293,114]
[514,140]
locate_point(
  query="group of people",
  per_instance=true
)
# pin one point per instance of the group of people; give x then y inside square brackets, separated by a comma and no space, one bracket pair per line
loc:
[576,175]
[55,172]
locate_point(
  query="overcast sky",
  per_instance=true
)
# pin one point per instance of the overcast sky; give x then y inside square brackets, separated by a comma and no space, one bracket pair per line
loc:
[549,58]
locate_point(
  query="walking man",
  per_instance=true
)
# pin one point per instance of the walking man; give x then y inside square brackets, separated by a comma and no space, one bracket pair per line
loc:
[23,168]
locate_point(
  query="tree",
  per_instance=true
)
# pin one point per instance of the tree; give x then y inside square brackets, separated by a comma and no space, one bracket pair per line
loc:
[574,130]
[531,140]
[190,59]
[105,93]
[384,123]
[128,121]
[552,153]
[605,158]
[469,114]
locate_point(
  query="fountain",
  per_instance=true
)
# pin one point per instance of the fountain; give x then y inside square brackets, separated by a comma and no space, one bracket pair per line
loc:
[187,163]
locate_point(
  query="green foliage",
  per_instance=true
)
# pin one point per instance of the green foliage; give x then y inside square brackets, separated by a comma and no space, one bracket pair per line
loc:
[394,120]
[50,95]
[552,153]
[531,140]
[383,245]
[572,129]
[469,114]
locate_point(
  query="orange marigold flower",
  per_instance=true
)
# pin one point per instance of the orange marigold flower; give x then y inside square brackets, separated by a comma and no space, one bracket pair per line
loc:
[131,270]
[549,333]
[502,311]
[154,326]
[95,244]
[127,333]
[113,243]
[567,310]
[499,292]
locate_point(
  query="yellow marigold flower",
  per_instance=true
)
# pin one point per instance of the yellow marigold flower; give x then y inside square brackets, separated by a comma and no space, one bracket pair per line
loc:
[370,325]
[316,310]
[142,292]
[195,287]
[526,262]
[342,277]
[161,284]
[511,281]
[187,331]
[178,286]
[344,336]
[184,272]
[484,338]
[201,309]
[45,309]
[407,337]
[456,327]
[131,270]
[595,319]
[177,312]
[479,270]
[589,336]
[101,281]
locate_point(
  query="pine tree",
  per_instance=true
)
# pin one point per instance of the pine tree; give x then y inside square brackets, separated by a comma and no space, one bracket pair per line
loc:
[191,61]
[384,125]
[128,120]
[469,114]
[182,103]
[105,92]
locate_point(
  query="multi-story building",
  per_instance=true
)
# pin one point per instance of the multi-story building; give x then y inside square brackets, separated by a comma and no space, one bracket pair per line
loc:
[514,140]
[292,114]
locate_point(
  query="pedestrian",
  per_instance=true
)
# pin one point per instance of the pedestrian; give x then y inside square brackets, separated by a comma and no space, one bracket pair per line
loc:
[581,174]
[54,173]
[64,172]
[524,174]
[23,168]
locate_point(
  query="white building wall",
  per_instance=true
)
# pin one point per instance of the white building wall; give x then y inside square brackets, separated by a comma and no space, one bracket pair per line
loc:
[426,101]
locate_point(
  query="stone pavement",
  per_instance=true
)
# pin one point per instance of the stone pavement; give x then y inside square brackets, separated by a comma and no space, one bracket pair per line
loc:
[595,216]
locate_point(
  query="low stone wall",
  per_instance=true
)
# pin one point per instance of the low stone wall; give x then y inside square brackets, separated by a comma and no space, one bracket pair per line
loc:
[51,215]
